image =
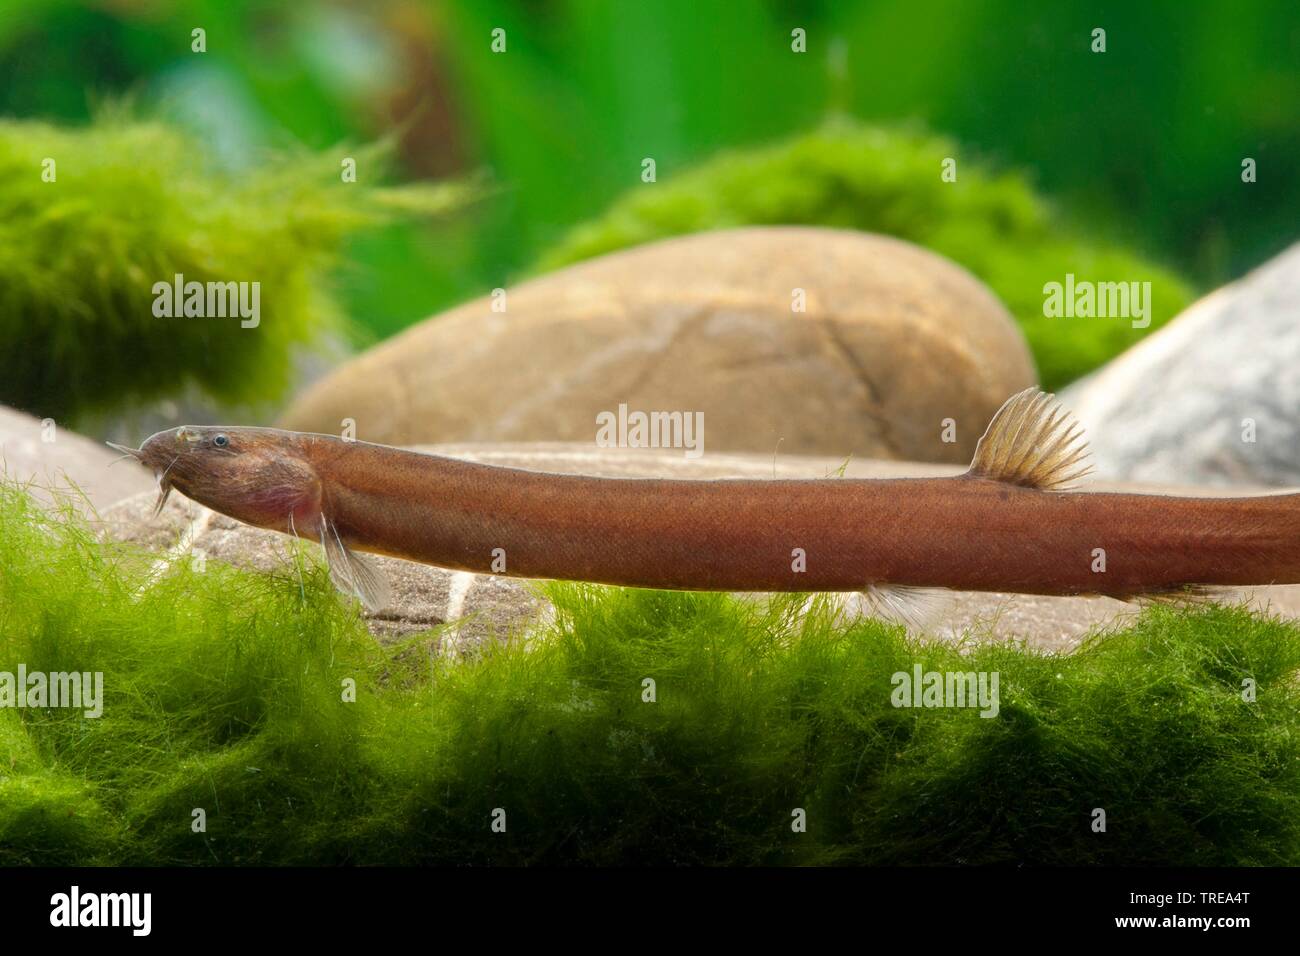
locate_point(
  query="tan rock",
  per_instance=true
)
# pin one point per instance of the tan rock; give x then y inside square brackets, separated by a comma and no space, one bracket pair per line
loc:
[484,607]
[894,340]
[69,459]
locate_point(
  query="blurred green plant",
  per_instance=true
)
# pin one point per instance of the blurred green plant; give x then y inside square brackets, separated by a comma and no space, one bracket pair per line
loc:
[225,689]
[858,177]
[92,218]
[1142,144]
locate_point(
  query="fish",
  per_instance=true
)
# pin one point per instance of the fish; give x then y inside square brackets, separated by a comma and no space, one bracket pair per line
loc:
[1013,522]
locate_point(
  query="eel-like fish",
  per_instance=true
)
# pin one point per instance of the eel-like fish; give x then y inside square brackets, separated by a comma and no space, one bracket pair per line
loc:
[1007,524]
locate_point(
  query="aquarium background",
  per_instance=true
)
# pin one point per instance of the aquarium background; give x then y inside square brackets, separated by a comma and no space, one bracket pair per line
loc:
[224,647]
[1133,146]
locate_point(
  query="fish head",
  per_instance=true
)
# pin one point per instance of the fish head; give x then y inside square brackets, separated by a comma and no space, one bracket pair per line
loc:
[260,476]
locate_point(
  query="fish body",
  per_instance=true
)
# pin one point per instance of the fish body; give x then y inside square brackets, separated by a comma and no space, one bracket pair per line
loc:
[1005,525]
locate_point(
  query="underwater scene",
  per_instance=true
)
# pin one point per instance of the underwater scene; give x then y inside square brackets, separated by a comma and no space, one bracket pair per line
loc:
[606,434]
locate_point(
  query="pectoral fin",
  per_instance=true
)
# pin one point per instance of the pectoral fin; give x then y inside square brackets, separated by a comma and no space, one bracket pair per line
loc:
[353,574]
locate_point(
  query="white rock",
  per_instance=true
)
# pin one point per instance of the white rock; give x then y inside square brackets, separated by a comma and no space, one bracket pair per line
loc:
[1179,406]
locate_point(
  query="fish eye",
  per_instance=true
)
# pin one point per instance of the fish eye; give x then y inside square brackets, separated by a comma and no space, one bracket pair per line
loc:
[220,440]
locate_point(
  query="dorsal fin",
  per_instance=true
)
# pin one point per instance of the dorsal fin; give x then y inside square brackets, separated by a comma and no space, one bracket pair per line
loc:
[1033,442]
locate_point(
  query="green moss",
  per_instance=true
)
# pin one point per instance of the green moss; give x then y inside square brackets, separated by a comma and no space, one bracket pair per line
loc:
[133,203]
[223,691]
[853,177]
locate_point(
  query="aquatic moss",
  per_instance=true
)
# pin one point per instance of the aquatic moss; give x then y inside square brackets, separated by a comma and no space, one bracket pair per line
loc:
[224,691]
[850,176]
[135,202]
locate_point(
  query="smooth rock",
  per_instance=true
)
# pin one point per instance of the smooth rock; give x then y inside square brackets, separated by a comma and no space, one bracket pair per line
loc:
[1179,406]
[66,461]
[894,340]
[485,607]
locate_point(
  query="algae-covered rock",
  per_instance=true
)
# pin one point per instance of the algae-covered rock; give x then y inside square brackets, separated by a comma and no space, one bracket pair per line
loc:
[133,266]
[889,181]
[820,341]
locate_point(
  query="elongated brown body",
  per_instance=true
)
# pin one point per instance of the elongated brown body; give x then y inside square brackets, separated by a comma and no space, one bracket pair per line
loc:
[1000,527]
[964,533]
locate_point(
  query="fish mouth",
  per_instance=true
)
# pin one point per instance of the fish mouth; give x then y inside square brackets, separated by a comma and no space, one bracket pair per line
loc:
[164,486]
